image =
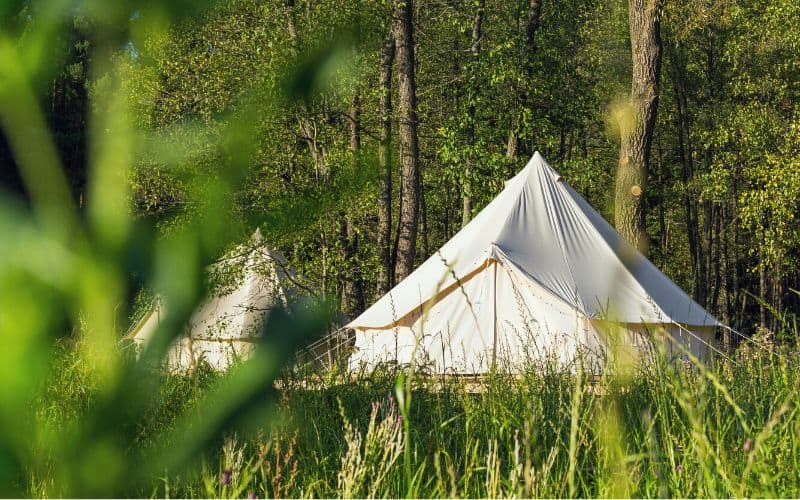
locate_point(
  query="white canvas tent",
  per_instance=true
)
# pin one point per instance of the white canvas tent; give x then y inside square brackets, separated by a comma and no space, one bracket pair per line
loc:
[225,326]
[536,274]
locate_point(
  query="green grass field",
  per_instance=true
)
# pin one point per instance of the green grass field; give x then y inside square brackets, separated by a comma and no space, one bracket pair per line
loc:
[662,430]
[145,139]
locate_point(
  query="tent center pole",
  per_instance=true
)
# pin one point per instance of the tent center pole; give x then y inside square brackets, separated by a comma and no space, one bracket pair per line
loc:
[494,316]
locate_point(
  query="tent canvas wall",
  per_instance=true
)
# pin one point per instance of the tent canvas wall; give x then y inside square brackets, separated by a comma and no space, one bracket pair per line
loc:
[225,326]
[536,274]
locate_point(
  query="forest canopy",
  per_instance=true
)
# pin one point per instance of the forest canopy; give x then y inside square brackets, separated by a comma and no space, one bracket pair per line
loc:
[357,184]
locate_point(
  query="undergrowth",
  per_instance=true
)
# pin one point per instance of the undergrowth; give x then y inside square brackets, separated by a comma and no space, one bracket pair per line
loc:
[730,429]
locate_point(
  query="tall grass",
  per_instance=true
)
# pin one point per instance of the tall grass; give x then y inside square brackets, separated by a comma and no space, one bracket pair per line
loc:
[667,430]
[79,418]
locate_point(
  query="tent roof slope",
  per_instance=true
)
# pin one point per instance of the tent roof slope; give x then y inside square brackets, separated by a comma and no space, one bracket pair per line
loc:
[465,252]
[557,239]
[265,278]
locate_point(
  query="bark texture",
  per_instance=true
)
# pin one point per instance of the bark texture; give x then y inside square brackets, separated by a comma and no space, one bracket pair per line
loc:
[353,288]
[534,14]
[528,51]
[409,141]
[637,128]
[475,51]
[386,274]
[304,115]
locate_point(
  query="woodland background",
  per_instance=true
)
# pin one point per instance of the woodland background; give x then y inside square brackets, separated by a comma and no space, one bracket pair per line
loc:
[140,139]
[426,109]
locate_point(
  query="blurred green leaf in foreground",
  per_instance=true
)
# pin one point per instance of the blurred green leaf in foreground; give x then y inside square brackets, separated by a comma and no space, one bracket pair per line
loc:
[72,265]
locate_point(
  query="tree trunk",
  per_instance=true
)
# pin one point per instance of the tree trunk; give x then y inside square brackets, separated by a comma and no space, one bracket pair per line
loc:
[737,264]
[562,146]
[706,241]
[717,260]
[475,50]
[584,158]
[353,289]
[777,293]
[446,213]
[323,248]
[386,274]
[762,289]
[531,25]
[409,145]
[423,223]
[534,14]
[686,158]
[726,276]
[706,244]
[662,216]
[305,120]
[512,146]
[637,129]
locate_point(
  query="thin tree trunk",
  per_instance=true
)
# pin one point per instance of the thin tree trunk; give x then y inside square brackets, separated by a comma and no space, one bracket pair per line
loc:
[521,100]
[687,173]
[637,129]
[308,126]
[446,221]
[534,14]
[386,273]
[717,259]
[706,241]
[570,146]
[736,263]
[706,244]
[584,158]
[475,50]
[777,292]
[353,289]
[762,289]
[562,145]
[396,241]
[512,146]
[423,225]
[662,216]
[726,270]
[308,131]
[324,258]
[409,141]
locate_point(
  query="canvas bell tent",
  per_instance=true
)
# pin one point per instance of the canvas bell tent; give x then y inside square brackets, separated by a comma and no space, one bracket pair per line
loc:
[537,275]
[251,279]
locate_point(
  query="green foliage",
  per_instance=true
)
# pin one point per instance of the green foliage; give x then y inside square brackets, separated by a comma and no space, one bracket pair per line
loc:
[149,137]
[78,415]
[668,431]
[558,99]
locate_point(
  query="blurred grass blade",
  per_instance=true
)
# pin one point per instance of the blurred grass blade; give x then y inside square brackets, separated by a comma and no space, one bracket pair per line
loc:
[245,394]
[26,129]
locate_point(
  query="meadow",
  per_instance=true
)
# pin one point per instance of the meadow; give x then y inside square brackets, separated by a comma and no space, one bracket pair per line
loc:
[662,430]
[141,140]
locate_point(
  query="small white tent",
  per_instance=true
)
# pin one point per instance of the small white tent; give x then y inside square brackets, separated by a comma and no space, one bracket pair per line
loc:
[536,274]
[225,326]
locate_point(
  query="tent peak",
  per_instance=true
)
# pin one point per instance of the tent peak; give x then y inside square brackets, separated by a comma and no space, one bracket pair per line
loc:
[538,163]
